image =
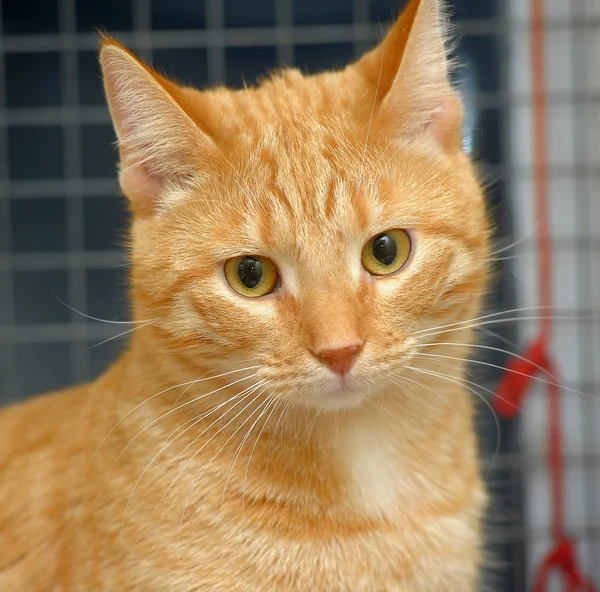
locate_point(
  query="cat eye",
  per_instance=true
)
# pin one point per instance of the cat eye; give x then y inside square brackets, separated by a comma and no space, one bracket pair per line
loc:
[251,276]
[387,252]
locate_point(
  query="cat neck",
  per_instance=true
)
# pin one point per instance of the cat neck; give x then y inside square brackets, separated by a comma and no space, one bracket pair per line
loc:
[365,456]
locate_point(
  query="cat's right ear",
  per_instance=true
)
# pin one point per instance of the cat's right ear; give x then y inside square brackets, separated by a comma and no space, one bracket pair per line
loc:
[161,148]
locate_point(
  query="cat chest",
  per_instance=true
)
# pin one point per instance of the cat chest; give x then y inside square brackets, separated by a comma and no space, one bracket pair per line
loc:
[373,477]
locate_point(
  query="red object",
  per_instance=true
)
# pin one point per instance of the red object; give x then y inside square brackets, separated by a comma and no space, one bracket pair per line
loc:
[562,558]
[520,373]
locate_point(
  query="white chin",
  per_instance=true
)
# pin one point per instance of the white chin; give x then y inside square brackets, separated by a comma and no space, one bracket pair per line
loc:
[338,396]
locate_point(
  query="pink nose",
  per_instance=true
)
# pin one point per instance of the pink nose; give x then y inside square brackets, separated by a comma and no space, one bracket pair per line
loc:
[339,360]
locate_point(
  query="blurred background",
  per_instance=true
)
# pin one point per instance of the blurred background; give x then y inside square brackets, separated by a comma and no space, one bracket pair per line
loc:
[62,219]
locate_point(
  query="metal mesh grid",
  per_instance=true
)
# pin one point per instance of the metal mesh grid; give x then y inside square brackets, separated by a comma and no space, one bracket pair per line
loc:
[573,84]
[60,217]
[57,140]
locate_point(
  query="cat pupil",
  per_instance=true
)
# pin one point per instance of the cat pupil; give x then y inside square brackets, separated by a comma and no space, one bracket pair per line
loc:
[384,249]
[250,271]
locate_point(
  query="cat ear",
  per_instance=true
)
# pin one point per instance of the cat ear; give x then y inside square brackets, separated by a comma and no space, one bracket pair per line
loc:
[411,70]
[160,146]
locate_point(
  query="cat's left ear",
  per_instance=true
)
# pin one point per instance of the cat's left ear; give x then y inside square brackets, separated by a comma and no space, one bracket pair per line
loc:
[162,148]
[410,72]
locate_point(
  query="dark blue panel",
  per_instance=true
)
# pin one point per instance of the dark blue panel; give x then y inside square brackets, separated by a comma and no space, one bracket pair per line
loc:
[35,152]
[323,12]
[35,300]
[38,225]
[32,79]
[91,91]
[105,222]
[101,356]
[242,13]
[187,66]
[107,293]
[248,64]
[488,142]
[387,10]
[109,15]
[471,9]
[42,367]
[5,295]
[34,16]
[178,14]
[99,154]
[484,55]
[316,58]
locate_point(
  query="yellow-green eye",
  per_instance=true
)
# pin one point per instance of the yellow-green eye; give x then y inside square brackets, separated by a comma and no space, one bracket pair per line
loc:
[387,252]
[251,276]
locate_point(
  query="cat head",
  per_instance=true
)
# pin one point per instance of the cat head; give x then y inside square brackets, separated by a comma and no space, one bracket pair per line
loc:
[307,227]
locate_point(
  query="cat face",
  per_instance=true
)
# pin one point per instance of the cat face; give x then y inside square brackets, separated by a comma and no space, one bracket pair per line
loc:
[308,227]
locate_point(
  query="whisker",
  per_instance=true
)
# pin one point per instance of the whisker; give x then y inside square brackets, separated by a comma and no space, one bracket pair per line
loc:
[489,364]
[490,348]
[245,394]
[203,416]
[289,409]
[529,234]
[378,406]
[120,335]
[191,382]
[487,403]
[236,455]
[503,312]
[281,416]
[155,421]
[487,390]
[196,420]
[507,258]
[99,319]
[499,337]
[220,449]
[276,401]
[306,430]
[506,320]
[406,391]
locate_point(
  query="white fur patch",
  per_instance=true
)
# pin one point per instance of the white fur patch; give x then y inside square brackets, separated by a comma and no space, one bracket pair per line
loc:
[365,445]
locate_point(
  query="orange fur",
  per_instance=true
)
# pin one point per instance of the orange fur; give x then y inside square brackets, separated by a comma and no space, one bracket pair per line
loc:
[161,474]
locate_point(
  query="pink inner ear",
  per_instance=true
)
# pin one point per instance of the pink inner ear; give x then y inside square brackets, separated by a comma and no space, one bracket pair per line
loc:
[141,186]
[446,123]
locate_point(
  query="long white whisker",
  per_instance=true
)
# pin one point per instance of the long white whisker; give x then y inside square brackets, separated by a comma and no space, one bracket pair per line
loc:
[487,403]
[120,335]
[190,402]
[517,242]
[191,382]
[489,348]
[220,449]
[267,404]
[281,416]
[405,390]
[246,394]
[434,330]
[487,390]
[275,402]
[306,430]
[495,335]
[489,364]
[99,319]
[195,422]
[500,313]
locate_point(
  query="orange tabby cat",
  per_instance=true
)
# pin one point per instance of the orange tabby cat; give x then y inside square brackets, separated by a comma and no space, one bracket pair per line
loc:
[277,421]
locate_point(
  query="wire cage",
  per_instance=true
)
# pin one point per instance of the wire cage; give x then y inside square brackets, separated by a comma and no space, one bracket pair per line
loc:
[61,219]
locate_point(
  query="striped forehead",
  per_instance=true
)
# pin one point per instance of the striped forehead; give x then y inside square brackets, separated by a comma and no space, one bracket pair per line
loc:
[300,177]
